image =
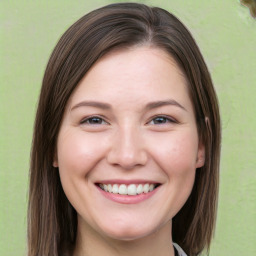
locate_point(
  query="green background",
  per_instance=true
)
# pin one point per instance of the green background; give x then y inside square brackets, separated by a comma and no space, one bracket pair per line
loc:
[226,34]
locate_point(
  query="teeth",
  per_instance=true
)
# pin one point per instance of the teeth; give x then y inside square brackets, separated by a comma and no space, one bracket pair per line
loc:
[109,188]
[139,189]
[146,188]
[132,189]
[122,190]
[115,189]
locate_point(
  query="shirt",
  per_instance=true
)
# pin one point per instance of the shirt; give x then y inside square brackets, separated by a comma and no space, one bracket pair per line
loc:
[179,250]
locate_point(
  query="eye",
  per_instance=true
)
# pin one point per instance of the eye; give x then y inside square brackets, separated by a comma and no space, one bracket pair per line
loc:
[94,120]
[162,120]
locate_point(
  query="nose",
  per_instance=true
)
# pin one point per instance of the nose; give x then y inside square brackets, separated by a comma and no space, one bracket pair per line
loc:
[127,149]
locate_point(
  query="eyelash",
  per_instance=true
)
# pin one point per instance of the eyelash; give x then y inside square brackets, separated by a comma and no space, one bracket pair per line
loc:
[88,119]
[165,120]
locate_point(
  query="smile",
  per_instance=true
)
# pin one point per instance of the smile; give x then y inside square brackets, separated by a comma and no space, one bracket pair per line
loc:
[128,189]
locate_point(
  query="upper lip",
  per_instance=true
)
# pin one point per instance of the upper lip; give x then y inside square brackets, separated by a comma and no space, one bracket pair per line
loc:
[121,181]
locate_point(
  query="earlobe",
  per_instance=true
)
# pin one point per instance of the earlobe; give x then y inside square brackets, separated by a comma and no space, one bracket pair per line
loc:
[55,161]
[200,160]
[55,164]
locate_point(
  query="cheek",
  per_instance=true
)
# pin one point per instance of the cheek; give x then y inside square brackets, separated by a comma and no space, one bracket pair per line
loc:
[177,158]
[77,153]
[177,153]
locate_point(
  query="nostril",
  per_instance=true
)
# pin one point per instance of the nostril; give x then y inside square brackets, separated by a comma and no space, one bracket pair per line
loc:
[127,160]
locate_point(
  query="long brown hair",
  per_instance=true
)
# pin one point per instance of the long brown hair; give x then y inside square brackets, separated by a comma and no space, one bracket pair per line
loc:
[52,221]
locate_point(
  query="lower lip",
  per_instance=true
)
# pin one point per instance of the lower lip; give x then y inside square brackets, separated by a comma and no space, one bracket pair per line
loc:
[127,199]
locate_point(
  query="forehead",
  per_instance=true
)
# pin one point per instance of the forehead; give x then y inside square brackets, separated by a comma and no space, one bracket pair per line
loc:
[136,74]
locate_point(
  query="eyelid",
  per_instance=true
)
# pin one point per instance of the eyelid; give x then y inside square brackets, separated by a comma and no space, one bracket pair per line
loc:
[83,121]
[169,119]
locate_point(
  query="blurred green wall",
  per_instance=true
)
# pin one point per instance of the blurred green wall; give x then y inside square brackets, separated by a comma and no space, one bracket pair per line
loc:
[226,34]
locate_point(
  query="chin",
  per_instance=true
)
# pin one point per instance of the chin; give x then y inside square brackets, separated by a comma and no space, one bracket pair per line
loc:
[127,236]
[128,233]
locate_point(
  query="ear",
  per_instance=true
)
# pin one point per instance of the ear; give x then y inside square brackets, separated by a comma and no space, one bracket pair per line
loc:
[55,161]
[200,160]
[55,164]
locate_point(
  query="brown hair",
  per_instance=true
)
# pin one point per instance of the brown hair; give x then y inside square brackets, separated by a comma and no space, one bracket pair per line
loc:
[52,221]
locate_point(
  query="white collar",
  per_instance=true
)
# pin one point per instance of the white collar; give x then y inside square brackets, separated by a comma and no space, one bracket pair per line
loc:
[180,251]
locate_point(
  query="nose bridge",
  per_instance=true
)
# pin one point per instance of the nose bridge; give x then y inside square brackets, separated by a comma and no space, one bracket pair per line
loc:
[127,147]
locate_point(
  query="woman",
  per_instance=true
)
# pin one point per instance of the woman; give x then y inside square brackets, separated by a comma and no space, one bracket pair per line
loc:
[126,144]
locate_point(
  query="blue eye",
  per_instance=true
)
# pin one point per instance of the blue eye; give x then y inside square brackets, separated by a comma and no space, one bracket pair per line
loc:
[161,120]
[93,121]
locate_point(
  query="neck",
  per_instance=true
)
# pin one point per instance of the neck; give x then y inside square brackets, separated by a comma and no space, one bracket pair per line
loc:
[91,243]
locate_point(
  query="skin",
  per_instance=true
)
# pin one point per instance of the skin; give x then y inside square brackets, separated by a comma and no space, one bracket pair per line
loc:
[129,140]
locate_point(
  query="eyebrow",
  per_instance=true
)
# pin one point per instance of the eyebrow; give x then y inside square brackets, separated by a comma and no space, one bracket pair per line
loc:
[149,106]
[95,104]
[157,104]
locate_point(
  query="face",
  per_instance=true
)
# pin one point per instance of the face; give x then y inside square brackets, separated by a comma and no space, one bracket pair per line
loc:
[128,146]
